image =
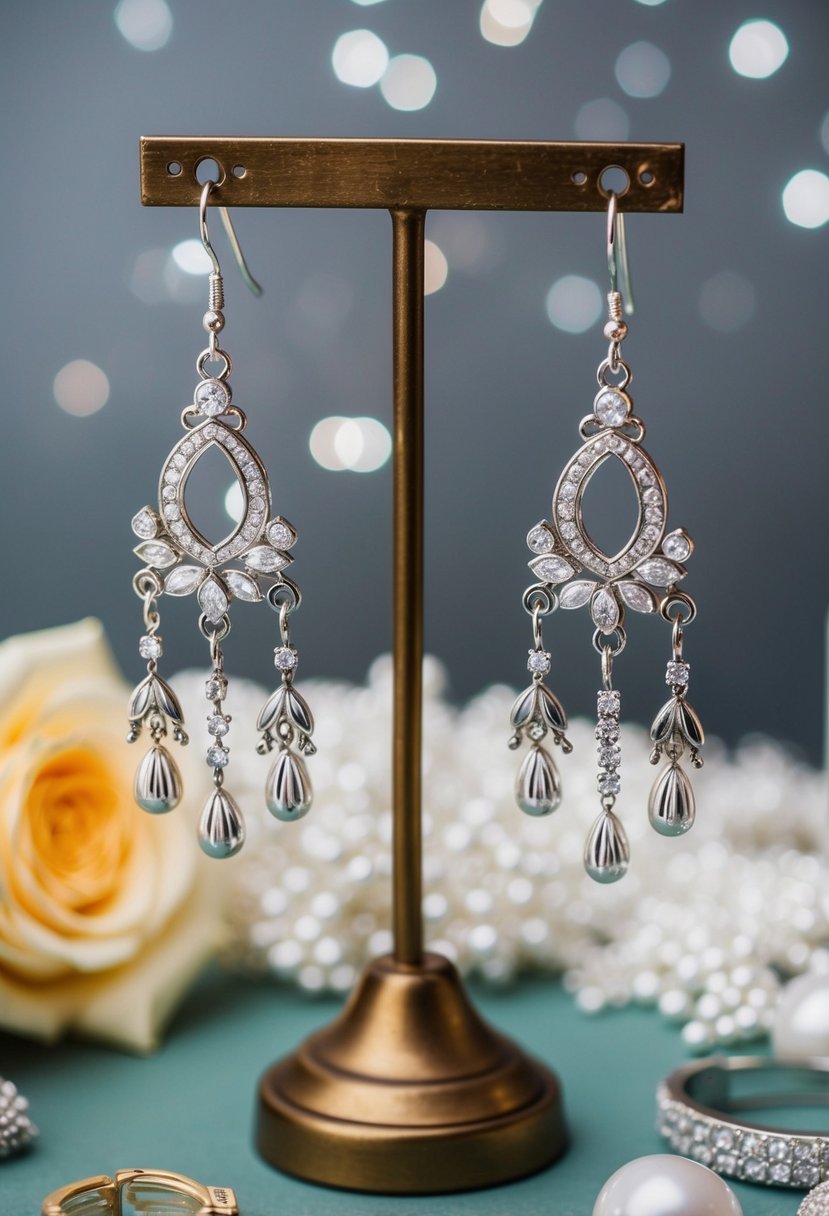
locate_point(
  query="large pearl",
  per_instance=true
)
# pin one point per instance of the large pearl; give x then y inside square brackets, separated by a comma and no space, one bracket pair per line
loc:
[801,1023]
[664,1185]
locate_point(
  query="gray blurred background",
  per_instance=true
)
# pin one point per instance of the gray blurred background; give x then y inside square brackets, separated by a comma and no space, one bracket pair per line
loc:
[727,347]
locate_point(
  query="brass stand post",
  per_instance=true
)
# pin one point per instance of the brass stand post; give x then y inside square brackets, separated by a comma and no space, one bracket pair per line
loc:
[409,1091]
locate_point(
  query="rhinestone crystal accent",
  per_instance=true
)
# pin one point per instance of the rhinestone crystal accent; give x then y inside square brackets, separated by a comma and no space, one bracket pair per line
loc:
[212,397]
[218,756]
[218,725]
[149,647]
[611,407]
[146,523]
[538,662]
[215,688]
[280,534]
[539,539]
[285,658]
[677,545]
[677,673]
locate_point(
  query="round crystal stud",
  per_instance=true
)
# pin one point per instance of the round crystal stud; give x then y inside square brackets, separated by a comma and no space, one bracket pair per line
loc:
[150,647]
[218,756]
[212,397]
[217,725]
[609,783]
[540,539]
[677,545]
[611,407]
[215,688]
[280,534]
[285,658]
[538,662]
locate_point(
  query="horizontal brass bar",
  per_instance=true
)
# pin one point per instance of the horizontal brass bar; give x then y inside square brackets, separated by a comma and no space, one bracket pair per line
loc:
[429,174]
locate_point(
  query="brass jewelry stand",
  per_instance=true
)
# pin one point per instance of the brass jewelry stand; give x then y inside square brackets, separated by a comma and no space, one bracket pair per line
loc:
[409,1091]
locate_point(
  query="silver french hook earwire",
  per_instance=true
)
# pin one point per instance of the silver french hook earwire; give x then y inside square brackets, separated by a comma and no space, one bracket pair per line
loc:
[244,269]
[617,254]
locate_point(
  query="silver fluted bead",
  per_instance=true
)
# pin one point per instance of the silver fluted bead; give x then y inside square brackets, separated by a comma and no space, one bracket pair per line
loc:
[288,788]
[671,807]
[607,852]
[221,828]
[538,785]
[158,782]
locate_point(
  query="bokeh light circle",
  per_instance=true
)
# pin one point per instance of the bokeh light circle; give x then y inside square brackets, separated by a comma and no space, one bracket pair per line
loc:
[359,58]
[360,445]
[81,388]
[758,49]
[574,303]
[409,82]
[642,70]
[806,199]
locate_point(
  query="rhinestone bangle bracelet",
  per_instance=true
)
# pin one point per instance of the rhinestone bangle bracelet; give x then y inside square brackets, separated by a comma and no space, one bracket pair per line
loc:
[699,1112]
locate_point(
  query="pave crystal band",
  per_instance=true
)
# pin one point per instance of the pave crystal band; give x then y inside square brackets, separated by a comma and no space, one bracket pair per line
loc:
[699,1112]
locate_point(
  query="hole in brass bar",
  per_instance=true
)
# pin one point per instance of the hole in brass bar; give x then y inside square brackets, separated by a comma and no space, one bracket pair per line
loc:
[174,168]
[579,177]
[208,169]
[646,177]
[239,171]
[614,178]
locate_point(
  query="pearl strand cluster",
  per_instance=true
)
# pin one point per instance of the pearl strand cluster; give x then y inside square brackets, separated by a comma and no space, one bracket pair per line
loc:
[701,929]
[16,1128]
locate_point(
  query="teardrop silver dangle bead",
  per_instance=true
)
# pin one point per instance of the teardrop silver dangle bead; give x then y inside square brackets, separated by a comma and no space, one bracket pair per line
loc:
[288,788]
[158,782]
[221,827]
[671,807]
[607,852]
[538,785]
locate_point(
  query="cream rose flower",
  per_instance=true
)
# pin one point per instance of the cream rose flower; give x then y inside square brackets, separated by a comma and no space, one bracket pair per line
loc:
[105,912]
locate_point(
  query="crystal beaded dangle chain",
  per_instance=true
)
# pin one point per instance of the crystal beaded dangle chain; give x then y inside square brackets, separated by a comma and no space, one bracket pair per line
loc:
[179,561]
[642,577]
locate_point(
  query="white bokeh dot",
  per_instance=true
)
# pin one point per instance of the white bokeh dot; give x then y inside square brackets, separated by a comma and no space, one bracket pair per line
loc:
[145,24]
[359,58]
[235,502]
[360,445]
[806,199]
[642,70]
[727,301]
[574,303]
[507,22]
[435,267]
[81,388]
[758,49]
[604,119]
[409,82]
[192,257]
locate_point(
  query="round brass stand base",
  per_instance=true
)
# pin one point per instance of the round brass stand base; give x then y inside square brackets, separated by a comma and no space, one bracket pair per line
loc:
[409,1092]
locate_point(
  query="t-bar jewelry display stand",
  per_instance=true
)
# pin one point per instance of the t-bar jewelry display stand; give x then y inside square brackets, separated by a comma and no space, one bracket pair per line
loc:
[408,1090]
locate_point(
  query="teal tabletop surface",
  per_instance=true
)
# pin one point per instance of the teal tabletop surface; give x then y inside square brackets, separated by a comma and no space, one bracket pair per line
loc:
[189,1107]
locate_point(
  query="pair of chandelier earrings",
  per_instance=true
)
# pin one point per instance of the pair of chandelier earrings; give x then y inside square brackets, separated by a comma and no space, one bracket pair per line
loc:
[643,577]
[573,572]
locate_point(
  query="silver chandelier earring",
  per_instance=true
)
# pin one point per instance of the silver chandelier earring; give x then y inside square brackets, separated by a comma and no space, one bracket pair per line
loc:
[179,560]
[642,577]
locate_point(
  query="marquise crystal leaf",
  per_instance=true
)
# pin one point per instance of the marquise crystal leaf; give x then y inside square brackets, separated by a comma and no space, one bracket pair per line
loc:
[213,599]
[659,572]
[242,585]
[575,595]
[266,560]
[183,580]
[637,596]
[551,568]
[605,611]
[156,553]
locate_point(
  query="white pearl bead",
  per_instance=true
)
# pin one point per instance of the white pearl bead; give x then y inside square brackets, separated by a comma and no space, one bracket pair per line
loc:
[801,1024]
[665,1185]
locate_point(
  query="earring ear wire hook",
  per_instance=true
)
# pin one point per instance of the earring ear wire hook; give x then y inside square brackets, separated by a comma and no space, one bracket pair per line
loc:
[244,269]
[617,254]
